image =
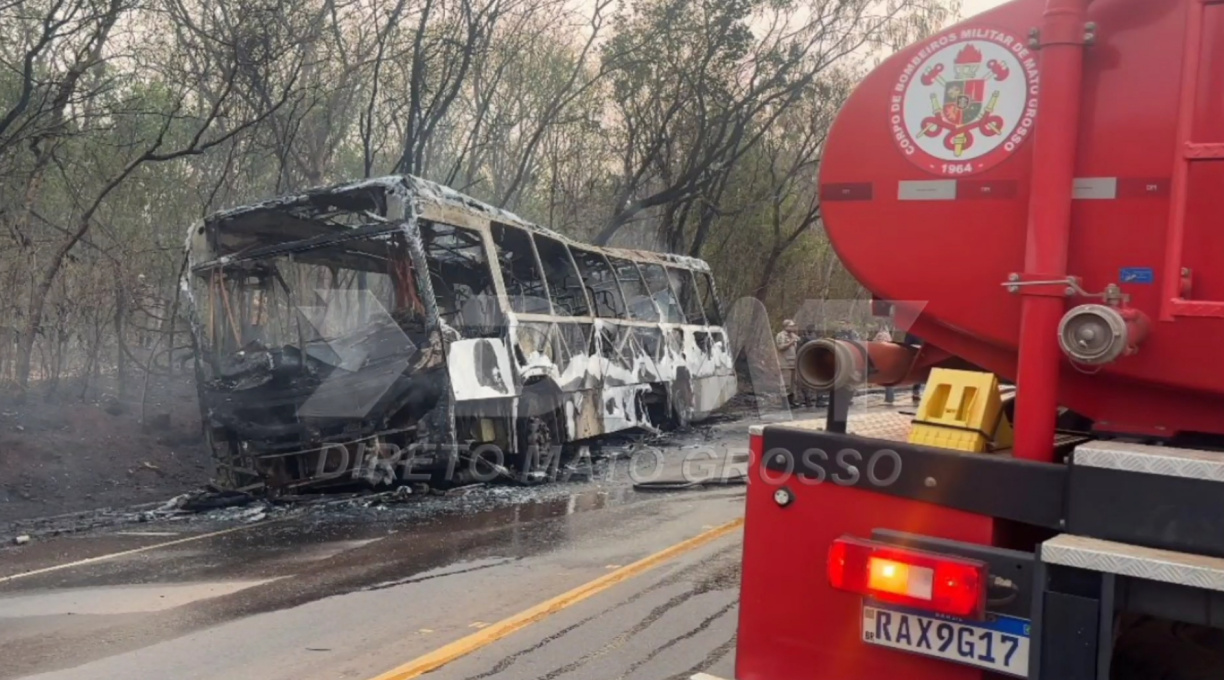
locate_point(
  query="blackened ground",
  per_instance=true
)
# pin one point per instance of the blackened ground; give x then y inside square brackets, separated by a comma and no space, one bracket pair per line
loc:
[62,454]
[68,466]
[107,456]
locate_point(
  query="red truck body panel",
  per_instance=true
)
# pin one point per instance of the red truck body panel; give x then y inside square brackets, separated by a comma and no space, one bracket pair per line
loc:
[935,199]
[933,208]
[792,623]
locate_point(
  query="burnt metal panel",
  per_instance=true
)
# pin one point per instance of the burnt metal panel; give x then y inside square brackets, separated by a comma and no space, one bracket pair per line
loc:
[499,324]
[986,484]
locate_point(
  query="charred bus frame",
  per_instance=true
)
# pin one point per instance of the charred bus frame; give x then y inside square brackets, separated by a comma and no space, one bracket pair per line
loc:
[369,315]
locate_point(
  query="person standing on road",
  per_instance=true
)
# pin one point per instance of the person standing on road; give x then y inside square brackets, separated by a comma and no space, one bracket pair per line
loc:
[916,342]
[787,343]
[885,336]
[846,332]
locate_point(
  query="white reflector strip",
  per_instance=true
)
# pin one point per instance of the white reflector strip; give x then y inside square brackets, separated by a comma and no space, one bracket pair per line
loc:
[927,190]
[1151,460]
[1084,189]
[1091,554]
[1095,188]
[921,582]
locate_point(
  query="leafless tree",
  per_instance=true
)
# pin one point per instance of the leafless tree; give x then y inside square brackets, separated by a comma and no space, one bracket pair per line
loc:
[449,36]
[705,90]
[691,126]
[191,126]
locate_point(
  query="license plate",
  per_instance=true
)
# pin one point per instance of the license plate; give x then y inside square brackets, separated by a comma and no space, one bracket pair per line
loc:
[1001,643]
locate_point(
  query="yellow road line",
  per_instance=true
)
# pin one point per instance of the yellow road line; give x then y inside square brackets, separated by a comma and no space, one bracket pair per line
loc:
[464,646]
[125,553]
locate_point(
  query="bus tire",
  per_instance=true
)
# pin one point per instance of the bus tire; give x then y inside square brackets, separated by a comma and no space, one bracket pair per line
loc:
[539,457]
[681,392]
[539,434]
[228,461]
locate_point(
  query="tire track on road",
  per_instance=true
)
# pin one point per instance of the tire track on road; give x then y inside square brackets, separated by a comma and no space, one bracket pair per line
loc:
[669,580]
[712,658]
[705,623]
[700,588]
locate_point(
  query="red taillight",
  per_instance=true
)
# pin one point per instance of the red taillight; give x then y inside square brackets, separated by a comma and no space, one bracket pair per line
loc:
[939,583]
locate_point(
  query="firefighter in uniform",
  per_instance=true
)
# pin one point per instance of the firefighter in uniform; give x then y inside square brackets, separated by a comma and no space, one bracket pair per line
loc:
[787,344]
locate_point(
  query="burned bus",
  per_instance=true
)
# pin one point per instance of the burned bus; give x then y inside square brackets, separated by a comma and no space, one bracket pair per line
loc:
[394,329]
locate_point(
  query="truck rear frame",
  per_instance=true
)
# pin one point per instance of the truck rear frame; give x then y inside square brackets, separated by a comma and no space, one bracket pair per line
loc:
[1123,531]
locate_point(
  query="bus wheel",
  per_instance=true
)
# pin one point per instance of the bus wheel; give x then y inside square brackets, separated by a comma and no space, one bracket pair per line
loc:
[539,433]
[681,403]
[230,467]
[539,458]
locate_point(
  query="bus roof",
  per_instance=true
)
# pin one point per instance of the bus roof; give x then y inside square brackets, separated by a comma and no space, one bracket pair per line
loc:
[429,198]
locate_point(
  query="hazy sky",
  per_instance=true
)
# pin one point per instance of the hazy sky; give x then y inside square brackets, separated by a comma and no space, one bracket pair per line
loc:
[971,7]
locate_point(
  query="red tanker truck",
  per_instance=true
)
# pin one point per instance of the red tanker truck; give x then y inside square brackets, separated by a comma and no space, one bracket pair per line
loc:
[1038,193]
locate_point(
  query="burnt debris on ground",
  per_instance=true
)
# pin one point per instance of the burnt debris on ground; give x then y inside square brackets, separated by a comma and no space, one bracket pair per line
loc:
[609,470]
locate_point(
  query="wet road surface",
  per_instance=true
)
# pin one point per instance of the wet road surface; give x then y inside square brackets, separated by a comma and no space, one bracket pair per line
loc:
[354,594]
[668,624]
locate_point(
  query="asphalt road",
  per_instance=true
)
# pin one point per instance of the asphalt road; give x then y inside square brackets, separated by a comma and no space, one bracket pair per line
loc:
[354,593]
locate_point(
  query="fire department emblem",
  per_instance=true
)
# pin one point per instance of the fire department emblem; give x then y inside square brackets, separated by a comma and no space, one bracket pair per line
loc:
[963,106]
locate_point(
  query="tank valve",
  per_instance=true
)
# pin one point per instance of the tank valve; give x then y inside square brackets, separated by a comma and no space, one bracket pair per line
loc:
[1100,334]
